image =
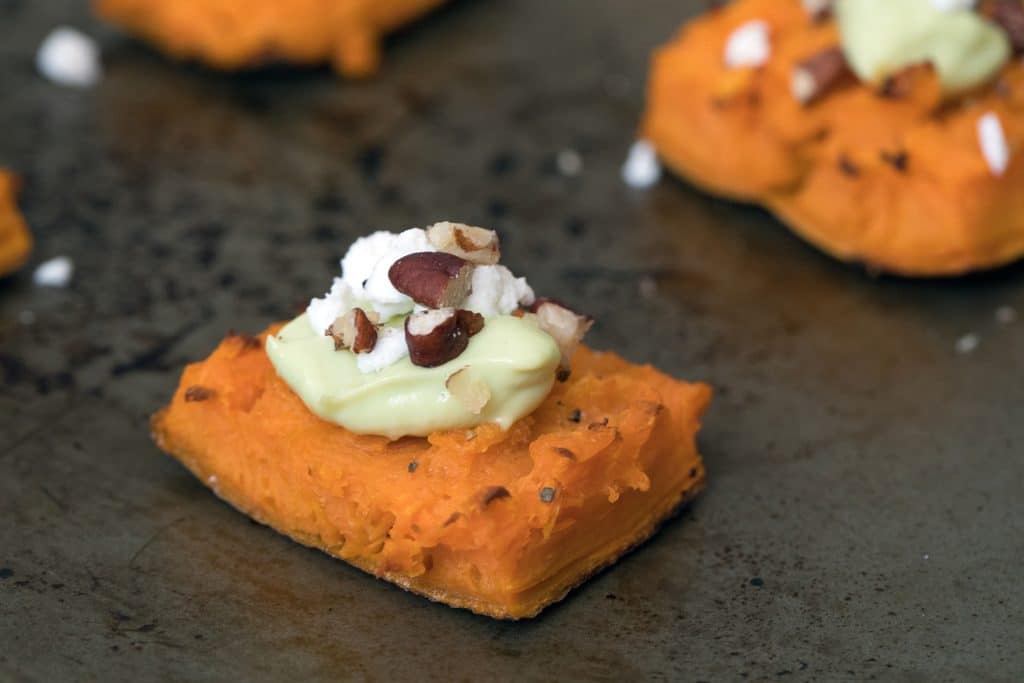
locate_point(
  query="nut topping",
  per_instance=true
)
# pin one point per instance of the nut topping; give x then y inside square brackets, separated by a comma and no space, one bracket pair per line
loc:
[1009,14]
[355,330]
[432,279]
[818,10]
[471,391]
[476,245]
[564,325]
[814,76]
[436,337]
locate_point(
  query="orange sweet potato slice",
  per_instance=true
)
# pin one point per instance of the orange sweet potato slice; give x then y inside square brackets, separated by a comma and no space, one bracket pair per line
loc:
[894,179]
[500,522]
[15,239]
[238,34]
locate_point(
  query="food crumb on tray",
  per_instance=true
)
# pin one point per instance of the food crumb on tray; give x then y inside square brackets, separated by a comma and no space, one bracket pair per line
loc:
[69,57]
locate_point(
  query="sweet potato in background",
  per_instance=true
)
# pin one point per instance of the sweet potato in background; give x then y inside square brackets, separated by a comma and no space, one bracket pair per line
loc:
[15,239]
[897,182]
[502,523]
[237,34]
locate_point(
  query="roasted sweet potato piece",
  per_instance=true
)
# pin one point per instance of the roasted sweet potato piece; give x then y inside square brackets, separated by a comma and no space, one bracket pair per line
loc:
[502,523]
[890,176]
[239,34]
[15,239]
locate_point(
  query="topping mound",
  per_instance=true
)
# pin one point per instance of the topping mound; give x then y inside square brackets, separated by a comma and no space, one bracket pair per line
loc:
[387,275]
[403,343]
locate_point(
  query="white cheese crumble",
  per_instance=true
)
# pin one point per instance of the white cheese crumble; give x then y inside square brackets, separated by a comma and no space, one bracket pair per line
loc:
[324,311]
[569,163]
[641,169]
[648,287]
[364,283]
[748,46]
[1006,315]
[56,272]
[69,57]
[496,291]
[389,349]
[994,148]
[968,343]
[953,5]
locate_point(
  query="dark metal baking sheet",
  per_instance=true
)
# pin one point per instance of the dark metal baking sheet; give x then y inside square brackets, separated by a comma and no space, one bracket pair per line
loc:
[864,515]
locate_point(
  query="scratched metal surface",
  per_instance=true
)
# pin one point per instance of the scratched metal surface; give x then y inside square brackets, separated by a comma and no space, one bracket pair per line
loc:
[864,515]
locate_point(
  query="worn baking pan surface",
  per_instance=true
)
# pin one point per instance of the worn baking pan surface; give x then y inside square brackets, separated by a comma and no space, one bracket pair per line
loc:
[864,512]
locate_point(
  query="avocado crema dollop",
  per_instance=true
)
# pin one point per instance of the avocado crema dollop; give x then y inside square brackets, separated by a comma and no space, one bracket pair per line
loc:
[883,37]
[511,356]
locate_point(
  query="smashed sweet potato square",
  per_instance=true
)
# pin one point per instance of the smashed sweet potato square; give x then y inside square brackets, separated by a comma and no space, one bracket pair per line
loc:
[503,523]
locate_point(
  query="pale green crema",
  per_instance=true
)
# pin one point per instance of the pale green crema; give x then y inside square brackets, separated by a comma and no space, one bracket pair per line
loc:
[882,37]
[511,355]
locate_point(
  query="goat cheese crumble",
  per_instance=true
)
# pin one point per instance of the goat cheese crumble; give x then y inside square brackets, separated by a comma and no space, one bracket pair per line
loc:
[364,283]
[69,57]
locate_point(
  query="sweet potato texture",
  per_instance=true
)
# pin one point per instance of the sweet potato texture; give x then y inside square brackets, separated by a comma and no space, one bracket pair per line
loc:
[15,239]
[897,181]
[502,523]
[237,34]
